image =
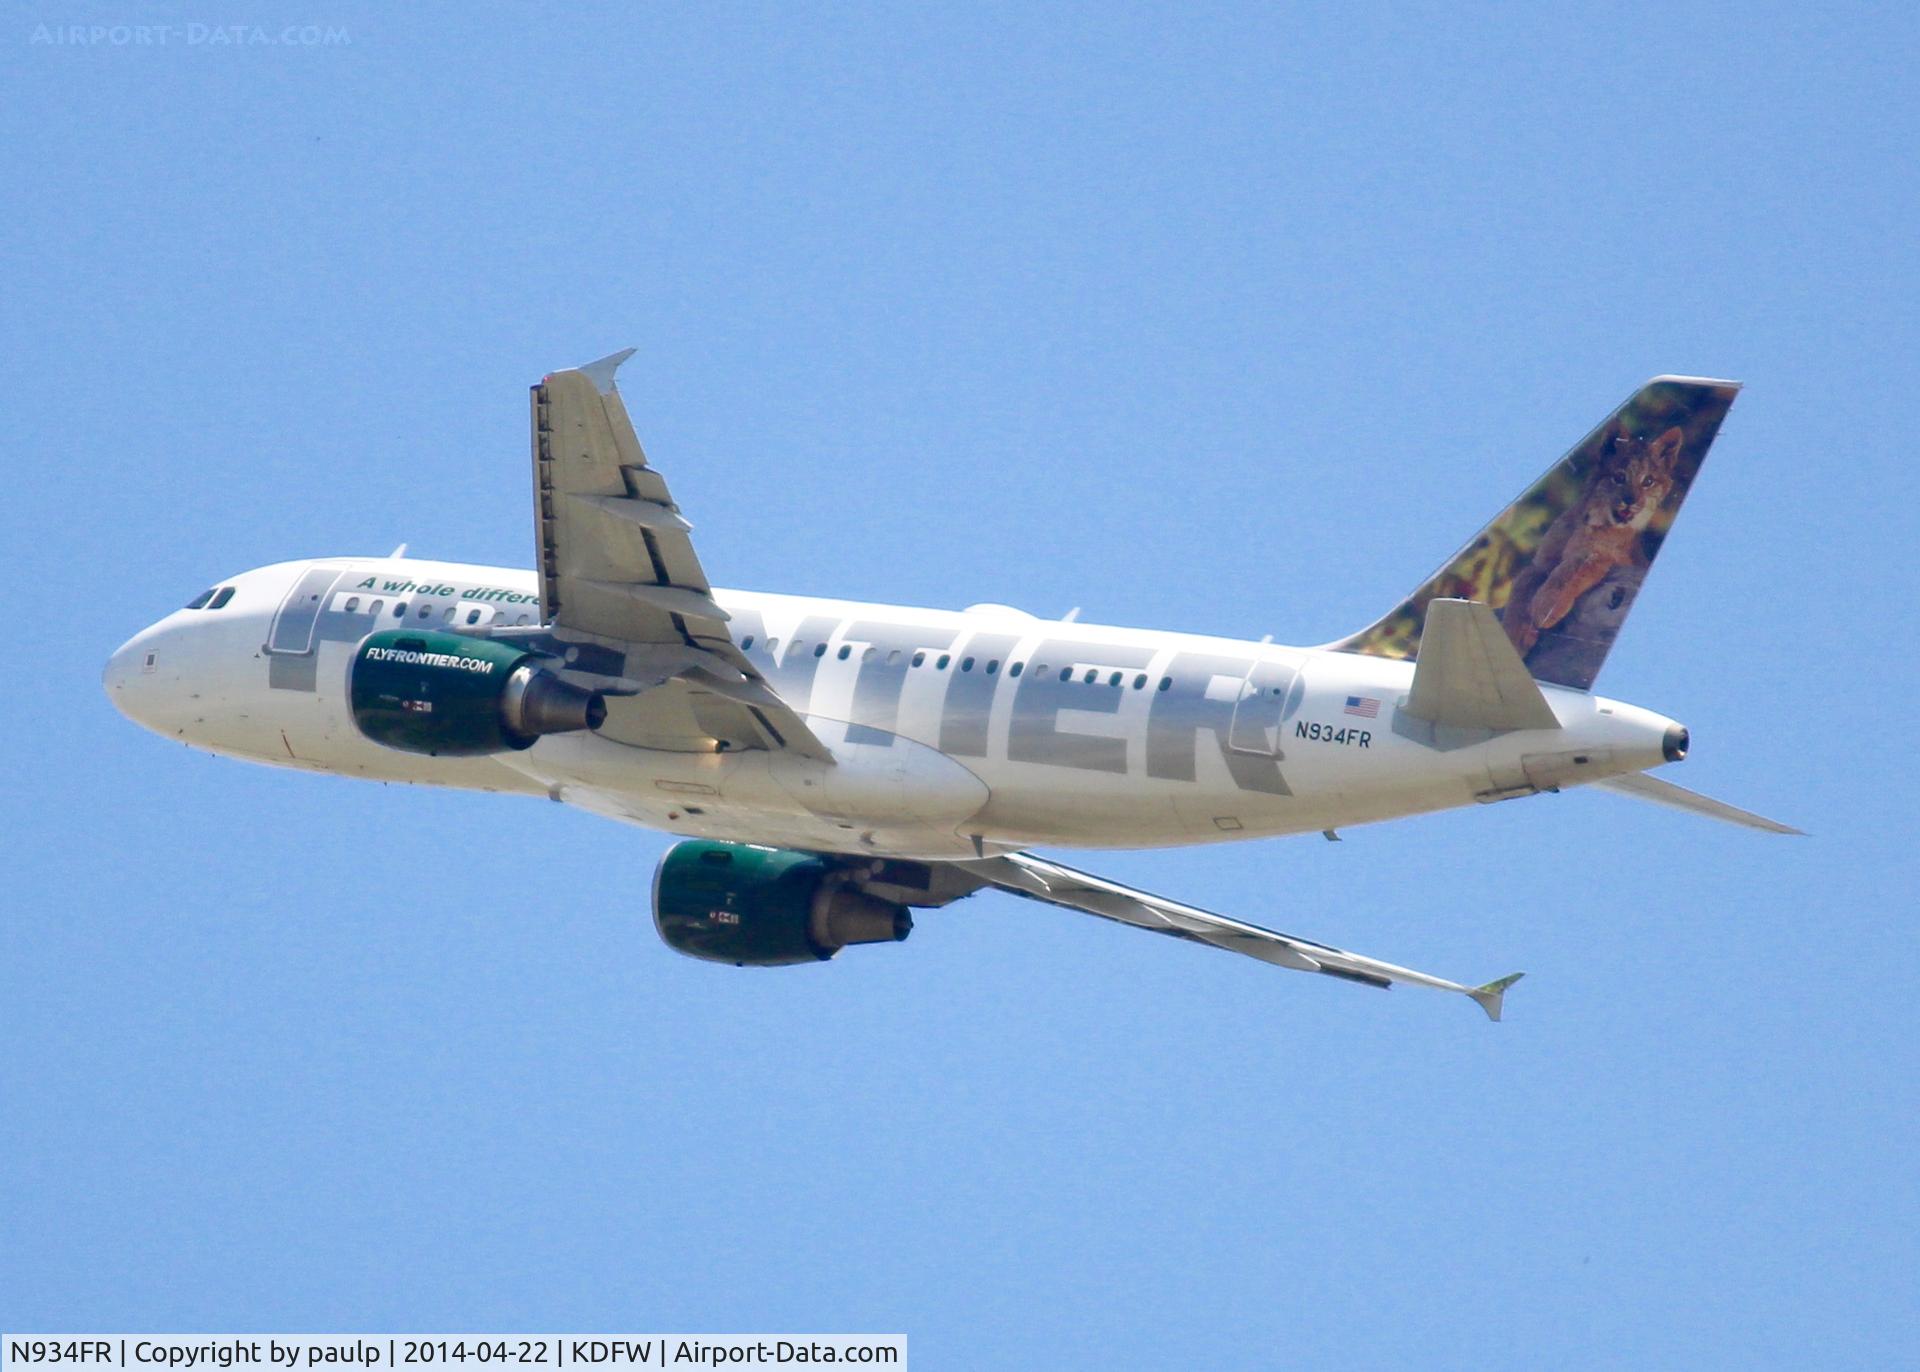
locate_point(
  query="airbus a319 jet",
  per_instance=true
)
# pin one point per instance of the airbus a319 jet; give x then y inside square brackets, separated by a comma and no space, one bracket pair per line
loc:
[834,765]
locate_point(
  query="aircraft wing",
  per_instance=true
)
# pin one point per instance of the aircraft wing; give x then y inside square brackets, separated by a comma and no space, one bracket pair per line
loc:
[1037,879]
[618,570]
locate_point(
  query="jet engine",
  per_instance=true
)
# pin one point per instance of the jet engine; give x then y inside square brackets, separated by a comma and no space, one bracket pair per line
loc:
[765,907]
[448,695]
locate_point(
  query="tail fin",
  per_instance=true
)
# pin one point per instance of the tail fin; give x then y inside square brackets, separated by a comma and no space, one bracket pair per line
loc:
[1563,563]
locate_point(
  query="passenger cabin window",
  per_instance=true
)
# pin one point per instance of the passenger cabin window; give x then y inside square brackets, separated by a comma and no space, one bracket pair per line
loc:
[220,599]
[1165,682]
[893,657]
[746,643]
[473,616]
[353,603]
[993,666]
[966,664]
[375,608]
[1114,680]
[919,658]
[1140,681]
[399,609]
[819,650]
[846,651]
[1016,669]
[199,602]
[941,665]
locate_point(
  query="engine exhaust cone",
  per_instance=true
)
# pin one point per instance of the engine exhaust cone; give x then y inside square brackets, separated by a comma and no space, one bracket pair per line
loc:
[842,916]
[539,703]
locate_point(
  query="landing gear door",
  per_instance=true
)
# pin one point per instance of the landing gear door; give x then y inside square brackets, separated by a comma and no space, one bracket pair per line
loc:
[293,623]
[1270,693]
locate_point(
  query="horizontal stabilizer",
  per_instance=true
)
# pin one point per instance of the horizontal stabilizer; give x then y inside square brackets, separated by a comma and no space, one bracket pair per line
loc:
[1644,787]
[1469,676]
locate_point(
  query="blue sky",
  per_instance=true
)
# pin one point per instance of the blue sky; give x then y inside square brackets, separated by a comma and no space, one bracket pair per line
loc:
[1234,319]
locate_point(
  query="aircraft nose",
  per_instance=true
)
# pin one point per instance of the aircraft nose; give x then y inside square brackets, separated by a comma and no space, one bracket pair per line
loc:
[129,678]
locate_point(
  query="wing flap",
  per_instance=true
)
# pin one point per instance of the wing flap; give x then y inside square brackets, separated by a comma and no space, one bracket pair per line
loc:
[640,511]
[667,600]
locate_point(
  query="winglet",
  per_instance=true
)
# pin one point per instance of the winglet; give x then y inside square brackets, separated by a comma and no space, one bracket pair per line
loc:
[1490,995]
[601,373]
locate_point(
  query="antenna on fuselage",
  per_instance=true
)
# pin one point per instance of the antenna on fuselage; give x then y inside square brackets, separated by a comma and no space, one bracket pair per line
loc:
[401,551]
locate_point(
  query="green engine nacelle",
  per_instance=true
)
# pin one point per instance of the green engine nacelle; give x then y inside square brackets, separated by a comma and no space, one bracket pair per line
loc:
[448,695]
[764,907]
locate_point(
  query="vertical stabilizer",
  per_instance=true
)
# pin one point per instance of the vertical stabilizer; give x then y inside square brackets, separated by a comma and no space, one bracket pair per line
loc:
[1563,563]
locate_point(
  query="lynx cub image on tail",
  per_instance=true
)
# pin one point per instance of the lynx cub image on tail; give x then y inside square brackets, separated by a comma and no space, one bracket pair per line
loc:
[832,765]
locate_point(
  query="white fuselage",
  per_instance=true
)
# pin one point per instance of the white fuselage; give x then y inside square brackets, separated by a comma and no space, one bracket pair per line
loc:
[952,733]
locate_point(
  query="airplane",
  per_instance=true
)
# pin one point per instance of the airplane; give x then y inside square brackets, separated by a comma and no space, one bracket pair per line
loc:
[831,766]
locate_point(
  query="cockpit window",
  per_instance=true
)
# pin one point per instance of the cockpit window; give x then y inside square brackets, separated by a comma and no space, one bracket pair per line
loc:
[220,599]
[199,602]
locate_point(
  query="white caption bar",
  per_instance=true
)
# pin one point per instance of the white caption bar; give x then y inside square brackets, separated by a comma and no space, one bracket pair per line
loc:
[546,1352]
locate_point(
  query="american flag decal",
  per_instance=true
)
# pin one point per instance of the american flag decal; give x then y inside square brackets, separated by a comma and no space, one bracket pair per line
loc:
[1364,706]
